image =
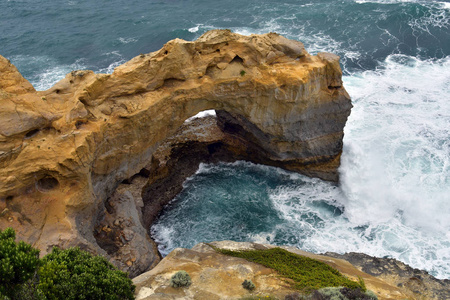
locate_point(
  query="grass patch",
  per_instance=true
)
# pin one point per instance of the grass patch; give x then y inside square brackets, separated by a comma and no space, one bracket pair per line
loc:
[307,274]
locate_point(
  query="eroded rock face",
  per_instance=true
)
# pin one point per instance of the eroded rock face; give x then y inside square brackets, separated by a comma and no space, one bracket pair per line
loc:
[64,151]
[217,276]
[415,283]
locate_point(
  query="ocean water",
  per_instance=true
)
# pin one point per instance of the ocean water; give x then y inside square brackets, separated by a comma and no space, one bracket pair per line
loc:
[394,196]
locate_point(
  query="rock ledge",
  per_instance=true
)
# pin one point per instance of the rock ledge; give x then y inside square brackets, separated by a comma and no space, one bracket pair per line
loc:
[217,276]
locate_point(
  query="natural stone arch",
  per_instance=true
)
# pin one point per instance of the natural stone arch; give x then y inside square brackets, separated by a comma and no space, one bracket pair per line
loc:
[91,131]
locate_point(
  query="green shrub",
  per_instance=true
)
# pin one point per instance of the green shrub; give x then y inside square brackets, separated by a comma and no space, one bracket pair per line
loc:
[307,274]
[357,294]
[248,285]
[371,295]
[180,279]
[332,293]
[29,290]
[18,263]
[344,293]
[75,274]
[362,283]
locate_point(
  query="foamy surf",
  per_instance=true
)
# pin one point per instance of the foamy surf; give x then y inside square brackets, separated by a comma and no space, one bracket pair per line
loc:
[247,202]
[49,71]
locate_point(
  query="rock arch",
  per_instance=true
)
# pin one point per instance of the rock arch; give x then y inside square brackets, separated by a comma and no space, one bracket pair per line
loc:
[92,131]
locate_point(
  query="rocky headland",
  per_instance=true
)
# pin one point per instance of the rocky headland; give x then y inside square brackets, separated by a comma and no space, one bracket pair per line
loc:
[67,152]
[91,161]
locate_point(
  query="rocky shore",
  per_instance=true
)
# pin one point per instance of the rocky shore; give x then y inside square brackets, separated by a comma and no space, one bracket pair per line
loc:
[217,276]
[92,161]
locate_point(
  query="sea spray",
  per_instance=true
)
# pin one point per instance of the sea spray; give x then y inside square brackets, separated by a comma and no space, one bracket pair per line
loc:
[397,143]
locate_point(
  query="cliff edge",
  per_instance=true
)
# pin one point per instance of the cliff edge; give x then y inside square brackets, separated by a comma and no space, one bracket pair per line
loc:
[218,276]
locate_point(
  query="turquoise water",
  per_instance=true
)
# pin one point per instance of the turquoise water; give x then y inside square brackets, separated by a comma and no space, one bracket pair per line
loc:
[394,195]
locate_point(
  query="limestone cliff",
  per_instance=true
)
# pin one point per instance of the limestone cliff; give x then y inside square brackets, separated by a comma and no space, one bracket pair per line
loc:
[64,151]
[217,276]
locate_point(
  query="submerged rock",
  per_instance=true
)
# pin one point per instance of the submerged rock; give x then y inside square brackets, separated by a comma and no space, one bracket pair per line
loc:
[65,151]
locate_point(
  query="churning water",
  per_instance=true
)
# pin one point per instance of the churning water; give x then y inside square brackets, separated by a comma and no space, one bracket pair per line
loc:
[394,195]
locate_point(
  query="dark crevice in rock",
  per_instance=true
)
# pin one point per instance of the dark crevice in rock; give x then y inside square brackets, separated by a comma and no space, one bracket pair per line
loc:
[31,133]
[47,183]
[171,82]
[80,123]
[144,173]
[237,59]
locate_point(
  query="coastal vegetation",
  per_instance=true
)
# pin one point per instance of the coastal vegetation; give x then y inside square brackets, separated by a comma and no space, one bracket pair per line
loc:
[18,263]
[62,274]
[76,274]
[180,279]
[248,285]
[303,273]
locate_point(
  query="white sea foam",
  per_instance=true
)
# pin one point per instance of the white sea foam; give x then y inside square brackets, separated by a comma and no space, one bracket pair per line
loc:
[436,17]
[202,114]
[338,234]
[127,40]
[109,69]
[395,168]
[314,42]
[384,1]
[49,70]
[445,5]
[164,238]
[195,28]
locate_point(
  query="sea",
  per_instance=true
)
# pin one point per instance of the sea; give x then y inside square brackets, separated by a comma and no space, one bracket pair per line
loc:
[393,199]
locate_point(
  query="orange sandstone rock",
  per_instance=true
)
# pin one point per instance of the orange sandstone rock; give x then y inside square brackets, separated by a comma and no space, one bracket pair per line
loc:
[217,276]
[64,151]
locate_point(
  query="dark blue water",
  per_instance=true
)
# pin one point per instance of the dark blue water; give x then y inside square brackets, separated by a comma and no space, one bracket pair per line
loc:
[46,35]
[395,190]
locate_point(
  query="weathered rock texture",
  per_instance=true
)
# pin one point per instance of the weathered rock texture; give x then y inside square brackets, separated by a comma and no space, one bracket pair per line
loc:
[64,151]
[217,276]
[417,284]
